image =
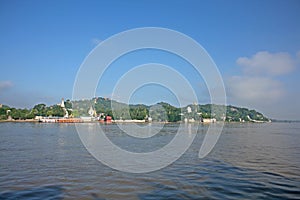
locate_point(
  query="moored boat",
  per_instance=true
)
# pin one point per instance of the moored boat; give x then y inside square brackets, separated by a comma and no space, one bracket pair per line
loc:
[60,120]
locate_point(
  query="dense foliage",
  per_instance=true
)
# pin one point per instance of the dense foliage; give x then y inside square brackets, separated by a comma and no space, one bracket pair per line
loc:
[38,110]
[158,112]
[165,112]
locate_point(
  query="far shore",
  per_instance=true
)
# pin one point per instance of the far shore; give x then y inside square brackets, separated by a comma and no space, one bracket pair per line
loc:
[125,122]
[20,120]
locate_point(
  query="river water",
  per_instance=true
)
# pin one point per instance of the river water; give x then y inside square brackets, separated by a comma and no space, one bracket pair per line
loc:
[249,161]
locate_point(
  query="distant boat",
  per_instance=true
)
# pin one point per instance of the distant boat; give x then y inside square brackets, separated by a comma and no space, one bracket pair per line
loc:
[60,120]
[108,119]
[69,120]
[47,120]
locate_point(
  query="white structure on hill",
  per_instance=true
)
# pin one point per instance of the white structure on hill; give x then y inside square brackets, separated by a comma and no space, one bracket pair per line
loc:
[92,112]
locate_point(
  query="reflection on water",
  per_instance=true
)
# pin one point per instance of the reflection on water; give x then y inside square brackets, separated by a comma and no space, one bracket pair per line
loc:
[48,161]
[44,192]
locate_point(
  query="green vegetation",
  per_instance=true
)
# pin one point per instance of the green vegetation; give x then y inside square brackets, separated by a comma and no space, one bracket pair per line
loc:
[165,112]
[158,112]
[243,114]
[38,110]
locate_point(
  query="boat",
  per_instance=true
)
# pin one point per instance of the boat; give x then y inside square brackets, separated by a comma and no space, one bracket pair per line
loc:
[60,120]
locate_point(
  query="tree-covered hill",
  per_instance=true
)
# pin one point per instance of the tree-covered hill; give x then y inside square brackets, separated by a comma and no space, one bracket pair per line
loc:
[165,112]
[159,112]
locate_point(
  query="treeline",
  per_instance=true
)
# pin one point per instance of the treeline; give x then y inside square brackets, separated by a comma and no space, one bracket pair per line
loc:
[158,112]
[41,109]
[14,113]
[121,111]
[166,112]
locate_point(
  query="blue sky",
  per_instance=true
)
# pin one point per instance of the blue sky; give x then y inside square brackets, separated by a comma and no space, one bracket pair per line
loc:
[255,44]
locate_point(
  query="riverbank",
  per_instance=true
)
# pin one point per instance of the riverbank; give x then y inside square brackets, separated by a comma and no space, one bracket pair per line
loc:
[131,121]
[20,120]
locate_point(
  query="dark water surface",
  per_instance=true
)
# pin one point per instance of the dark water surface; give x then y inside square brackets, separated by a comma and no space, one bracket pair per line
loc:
[250,161]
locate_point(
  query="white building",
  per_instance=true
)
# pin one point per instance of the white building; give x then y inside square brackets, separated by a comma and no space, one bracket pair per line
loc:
[189,109]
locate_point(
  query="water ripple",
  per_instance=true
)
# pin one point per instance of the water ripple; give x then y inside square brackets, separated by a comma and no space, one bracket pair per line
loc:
[249,162]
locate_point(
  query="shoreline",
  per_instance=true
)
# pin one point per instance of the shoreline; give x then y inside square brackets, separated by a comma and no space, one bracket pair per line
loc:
[130,122]
[21,120]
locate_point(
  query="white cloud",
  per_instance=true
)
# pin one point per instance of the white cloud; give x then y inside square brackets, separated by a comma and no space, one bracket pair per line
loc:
[265,63]
[259,87]
[5,85]
[265,95]
[245,89]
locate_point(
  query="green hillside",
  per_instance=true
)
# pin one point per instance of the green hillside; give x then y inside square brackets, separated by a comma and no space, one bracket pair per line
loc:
[159,112]
[165,112]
